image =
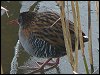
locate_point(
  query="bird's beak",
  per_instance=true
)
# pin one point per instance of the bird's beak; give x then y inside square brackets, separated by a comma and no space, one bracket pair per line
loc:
[14,22]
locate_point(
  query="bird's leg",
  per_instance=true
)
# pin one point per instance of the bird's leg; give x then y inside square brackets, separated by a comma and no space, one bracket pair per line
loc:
[46,63]
[43,64]
[50,63]
[40,66]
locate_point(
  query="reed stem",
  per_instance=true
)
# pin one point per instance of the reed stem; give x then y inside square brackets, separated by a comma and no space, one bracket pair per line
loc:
[81,38]
[97,9]
[66,33]
[90,38]
[1,70]
[76,34]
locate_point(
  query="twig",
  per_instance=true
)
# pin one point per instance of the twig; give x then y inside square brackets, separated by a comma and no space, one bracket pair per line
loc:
[5,10]
[55,22]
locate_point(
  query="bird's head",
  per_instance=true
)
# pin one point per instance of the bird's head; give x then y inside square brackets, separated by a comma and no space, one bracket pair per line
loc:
[25,18]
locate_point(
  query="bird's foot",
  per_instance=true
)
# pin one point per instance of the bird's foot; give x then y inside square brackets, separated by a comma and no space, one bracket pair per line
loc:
[42,66]
[50,63]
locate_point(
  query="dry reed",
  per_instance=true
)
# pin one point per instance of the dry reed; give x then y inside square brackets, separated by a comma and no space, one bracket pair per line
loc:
[66,33]
[90,38]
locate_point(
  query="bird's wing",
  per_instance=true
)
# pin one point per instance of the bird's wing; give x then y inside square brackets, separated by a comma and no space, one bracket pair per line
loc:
[40,28]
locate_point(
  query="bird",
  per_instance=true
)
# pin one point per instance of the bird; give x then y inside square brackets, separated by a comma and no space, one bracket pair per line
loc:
[39,39]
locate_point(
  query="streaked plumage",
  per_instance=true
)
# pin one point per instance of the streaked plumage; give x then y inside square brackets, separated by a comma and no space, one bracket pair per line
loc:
[41,40]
